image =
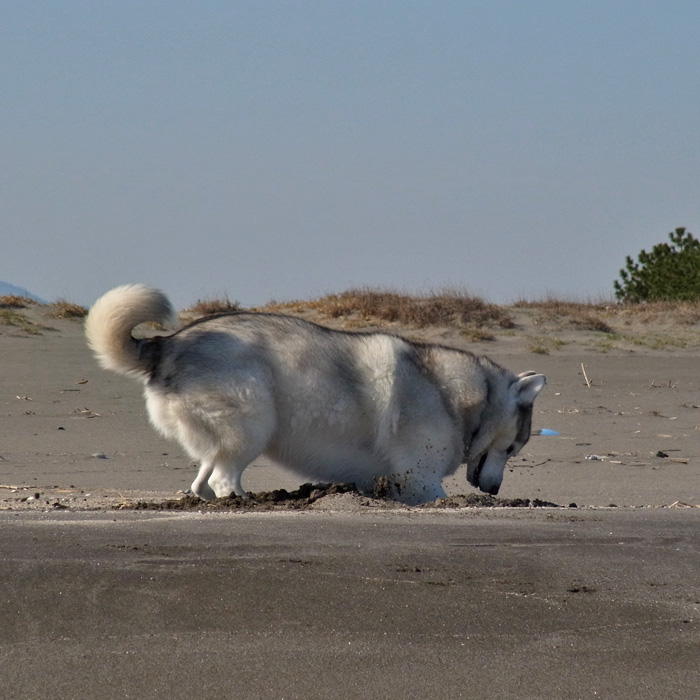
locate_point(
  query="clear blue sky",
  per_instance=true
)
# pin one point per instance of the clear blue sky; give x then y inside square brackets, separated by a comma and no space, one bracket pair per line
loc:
[281,150]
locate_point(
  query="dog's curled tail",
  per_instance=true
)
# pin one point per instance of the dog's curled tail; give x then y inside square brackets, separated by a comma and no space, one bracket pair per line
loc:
[113,317]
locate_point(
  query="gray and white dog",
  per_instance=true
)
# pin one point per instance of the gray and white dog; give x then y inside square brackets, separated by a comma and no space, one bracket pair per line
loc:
[328,405]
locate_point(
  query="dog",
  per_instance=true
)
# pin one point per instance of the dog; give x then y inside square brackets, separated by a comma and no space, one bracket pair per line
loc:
[329,405]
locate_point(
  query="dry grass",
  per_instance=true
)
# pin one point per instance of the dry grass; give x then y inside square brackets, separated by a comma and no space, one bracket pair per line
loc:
[12,318]
[65,309]
[209,307]
[477,335]
[657,326]
[541,345]
[589,313]
[545,325]
[377,306]
[580,315]
[9,317]
[676,312]
[12,301]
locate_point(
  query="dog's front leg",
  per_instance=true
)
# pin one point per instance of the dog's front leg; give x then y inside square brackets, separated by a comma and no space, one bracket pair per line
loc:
[412,489]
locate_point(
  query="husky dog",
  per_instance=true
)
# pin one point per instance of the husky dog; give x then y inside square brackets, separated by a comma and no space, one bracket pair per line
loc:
[328,405]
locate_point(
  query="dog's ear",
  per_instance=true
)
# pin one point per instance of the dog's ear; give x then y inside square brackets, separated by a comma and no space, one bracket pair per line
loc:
[528,387]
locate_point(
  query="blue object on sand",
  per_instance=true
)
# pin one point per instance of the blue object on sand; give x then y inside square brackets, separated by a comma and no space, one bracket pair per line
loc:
[547,431]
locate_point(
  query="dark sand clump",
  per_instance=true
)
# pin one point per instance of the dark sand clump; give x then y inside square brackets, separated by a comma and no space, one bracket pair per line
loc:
[308,495]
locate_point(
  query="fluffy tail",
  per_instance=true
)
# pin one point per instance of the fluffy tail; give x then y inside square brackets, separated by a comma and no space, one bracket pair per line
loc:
[112,318]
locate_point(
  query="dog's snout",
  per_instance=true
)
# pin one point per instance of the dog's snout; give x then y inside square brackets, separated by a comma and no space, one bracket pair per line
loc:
[486,482]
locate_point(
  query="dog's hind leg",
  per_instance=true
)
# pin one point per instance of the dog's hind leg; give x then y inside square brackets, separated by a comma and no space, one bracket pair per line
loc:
[219,478]
[228,465]
[200,486]
[229,430]
[225,477]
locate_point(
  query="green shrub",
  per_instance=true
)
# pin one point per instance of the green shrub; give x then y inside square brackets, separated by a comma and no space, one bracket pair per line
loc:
[670,272]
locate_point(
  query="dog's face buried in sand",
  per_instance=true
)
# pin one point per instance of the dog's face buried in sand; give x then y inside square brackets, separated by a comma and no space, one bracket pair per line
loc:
[501,437]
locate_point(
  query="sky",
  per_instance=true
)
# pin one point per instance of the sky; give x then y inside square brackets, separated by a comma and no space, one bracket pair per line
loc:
[271,150]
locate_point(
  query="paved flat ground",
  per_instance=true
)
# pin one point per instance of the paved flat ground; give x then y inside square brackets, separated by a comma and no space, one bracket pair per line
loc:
[562,603]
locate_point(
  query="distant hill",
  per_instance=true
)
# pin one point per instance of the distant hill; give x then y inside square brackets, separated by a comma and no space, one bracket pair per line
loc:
[7,289]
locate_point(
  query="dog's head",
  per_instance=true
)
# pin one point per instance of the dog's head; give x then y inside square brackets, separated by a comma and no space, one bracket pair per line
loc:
[504,429]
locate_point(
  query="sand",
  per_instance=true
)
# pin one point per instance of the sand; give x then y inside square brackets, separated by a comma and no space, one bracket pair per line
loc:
[350,597]
[79,435]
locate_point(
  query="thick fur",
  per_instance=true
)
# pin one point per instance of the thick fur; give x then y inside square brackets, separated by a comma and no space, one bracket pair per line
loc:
[328,405]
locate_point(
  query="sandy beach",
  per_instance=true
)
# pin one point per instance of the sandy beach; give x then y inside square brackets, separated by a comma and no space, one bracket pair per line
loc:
[75,432]
[353,598]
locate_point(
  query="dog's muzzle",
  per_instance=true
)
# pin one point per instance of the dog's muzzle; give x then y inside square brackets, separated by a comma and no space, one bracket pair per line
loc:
[474,477]
[474,474]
